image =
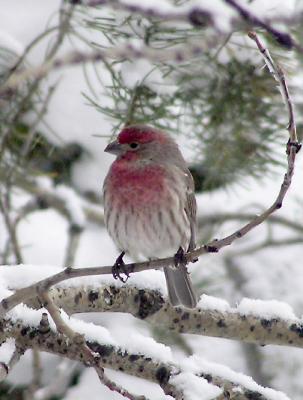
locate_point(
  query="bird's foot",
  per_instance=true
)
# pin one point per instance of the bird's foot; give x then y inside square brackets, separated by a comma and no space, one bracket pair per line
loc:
[119,268]
[179,258]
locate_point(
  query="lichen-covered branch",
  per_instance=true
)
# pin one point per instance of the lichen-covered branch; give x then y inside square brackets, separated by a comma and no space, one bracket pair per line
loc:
[168,375]
[152,307]
[79,340]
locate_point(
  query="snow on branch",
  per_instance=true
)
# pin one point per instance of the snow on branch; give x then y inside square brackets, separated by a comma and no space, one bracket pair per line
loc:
[190,379]
[292,148]
[252,321]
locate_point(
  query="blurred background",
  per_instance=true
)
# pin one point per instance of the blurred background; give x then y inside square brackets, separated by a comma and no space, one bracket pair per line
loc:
[225,111]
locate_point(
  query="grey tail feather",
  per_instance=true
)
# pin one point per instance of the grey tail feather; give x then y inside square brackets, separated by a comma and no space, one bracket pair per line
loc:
[180,289]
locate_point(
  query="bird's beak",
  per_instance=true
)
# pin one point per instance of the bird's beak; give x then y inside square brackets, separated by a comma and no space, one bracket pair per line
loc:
[113,148]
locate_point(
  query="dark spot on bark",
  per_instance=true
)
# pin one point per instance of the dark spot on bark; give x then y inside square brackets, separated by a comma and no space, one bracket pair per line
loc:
[32,334]
[50,345]
[252,328]
[92,296]
[78,297]
[221,324]
[278,206]
[175,320]
[24,331]
[290,342]
[279,335]
[238,234]
[211,249]
[185,316]
[243,317]
[266,323]
[133,357]
[179,56]
[102,350]
[59,341]
[149,303]
[250,395]
[121,369]
[162,375]
[178,310]
[5,367]
[198,326]
[4,304]
[208,377]
[298,329]
[141,368]
[74,228]
[148,359]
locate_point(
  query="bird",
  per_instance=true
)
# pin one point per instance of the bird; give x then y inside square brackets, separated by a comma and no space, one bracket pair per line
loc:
[150,205]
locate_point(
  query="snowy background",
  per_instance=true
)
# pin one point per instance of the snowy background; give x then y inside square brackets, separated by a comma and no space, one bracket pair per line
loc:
[275,273]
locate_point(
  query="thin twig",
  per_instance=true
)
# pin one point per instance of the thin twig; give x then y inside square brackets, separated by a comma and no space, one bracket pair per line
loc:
[282,38]
[4,208]
[79,340]
[15,358]
[129,51]
[196,15]
[214,246]
[216,218]
[72,245]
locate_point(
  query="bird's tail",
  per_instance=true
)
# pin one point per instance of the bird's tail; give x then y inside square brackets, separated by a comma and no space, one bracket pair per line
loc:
[180,289]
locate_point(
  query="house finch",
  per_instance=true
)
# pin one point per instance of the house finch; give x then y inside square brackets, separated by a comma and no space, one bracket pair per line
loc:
[149,203]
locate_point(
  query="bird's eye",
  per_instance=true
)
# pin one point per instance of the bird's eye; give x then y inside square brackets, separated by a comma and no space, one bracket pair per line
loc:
[133,145]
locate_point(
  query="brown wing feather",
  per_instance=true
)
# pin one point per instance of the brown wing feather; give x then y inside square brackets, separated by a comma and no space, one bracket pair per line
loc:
[191,209]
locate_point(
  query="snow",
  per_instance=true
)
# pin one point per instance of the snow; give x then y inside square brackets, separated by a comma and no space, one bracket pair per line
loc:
[134,343]
[268,309]
[213,303]
[194,387]
[139,344]
[18,276]
[43,234]
[198,365]
[9,42]
[138,71]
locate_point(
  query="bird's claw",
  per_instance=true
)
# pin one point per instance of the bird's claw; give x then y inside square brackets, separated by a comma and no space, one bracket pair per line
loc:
[179,258]
[119,268]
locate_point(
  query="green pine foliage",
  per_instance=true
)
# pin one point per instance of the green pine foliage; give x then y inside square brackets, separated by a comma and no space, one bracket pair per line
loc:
[228,106]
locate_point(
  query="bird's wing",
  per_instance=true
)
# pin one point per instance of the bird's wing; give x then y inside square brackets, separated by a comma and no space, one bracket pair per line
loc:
[191,208]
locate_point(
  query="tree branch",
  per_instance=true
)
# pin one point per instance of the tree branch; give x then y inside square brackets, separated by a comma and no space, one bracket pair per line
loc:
[169,375]
[283,38]
[215,245]
[78,340]
[152,307]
